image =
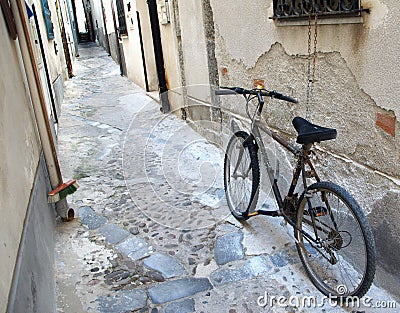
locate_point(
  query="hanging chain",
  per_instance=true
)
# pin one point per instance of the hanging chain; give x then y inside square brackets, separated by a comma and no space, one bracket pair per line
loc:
[315,46]
[311,71]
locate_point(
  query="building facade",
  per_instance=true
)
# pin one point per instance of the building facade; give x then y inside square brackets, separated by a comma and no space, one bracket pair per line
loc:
[34,63]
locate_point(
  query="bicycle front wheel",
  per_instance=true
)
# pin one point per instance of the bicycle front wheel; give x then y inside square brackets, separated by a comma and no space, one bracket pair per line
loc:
[340,256]
[241,175]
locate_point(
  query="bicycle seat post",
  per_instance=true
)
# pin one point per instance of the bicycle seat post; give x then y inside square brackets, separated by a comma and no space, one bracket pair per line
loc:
[307,146]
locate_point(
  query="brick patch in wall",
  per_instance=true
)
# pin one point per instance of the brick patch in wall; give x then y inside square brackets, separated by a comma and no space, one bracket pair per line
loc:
[387,122]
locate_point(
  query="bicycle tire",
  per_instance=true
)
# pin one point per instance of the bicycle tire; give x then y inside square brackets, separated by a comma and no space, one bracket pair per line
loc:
[358,272]
[250,155]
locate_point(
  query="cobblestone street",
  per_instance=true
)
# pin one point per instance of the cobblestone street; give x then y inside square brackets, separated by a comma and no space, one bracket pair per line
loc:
[153,232]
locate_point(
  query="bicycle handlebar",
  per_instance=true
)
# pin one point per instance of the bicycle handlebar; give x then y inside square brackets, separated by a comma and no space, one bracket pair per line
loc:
[224,92]
[265,93]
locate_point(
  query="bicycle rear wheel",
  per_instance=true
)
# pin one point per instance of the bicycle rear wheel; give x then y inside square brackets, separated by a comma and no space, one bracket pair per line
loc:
[342,261]
[241,175]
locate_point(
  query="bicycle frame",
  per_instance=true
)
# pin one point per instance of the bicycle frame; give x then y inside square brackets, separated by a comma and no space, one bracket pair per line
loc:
[309,206]
[303,158]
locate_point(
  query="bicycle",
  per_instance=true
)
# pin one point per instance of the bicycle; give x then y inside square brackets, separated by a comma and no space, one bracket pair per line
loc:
[333,237]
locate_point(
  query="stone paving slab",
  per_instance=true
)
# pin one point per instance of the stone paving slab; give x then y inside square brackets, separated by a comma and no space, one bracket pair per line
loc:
[123,301]
[177,289]
[135,248]
[112,233]
[282,259]
[90,218]
[229,248]
[254,267]
[168,266]
[185,306]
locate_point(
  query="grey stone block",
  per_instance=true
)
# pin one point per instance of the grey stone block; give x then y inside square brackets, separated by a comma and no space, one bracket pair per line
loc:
[123,301]
[165,264]
[257,266]
[226,276]
[254,267]
[135,248]
[177,289]
[228,248]
[112,233]
[91,218]
[283,258]
[185,306]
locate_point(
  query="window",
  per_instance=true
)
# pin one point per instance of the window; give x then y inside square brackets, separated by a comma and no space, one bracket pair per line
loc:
[288,9]
[47,19]
[121,18]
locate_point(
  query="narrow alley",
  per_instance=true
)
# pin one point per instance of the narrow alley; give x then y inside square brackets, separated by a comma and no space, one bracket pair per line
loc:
[153,232]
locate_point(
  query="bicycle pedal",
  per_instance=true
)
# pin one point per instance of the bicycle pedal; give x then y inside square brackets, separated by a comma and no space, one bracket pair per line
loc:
[255,213]
[264,212]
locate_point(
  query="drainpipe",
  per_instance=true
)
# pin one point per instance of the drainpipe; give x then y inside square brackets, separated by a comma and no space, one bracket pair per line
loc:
[158,53]
[39,106]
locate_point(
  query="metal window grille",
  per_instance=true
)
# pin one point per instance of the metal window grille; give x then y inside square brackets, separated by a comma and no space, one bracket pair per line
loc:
[287,9]
[121,18]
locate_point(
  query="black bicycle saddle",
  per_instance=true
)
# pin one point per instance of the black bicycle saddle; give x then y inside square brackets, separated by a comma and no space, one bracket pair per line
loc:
[310,133]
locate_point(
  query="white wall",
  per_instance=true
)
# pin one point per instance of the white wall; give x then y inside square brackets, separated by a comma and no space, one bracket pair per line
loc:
[194,48]
[132,50]
[19,157]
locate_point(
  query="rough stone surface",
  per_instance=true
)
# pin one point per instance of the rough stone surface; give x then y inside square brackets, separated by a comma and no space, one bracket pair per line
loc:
[123,301]
[165,264]
[177,289]
[135,248]
[185,306]
[89,217]
[112,233]
[228,248]
[278,260]
[254,267]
